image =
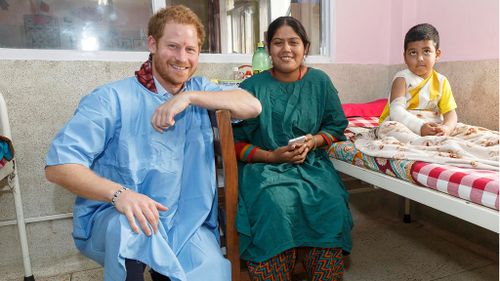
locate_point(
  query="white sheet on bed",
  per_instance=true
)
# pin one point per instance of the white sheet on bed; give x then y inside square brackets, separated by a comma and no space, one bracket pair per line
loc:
[467,146]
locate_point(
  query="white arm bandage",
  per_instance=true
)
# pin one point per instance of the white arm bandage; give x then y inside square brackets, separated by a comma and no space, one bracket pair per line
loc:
[399,113]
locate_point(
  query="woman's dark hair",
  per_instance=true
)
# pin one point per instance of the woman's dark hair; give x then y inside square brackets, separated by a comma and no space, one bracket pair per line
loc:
[295,24]
[420,32]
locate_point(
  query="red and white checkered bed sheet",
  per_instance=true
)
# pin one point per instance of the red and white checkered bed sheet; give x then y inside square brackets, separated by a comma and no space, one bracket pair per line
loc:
[367,122]
[477,186]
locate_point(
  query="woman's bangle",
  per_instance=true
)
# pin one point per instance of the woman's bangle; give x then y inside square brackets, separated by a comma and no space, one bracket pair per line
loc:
[117,194]
[314,141]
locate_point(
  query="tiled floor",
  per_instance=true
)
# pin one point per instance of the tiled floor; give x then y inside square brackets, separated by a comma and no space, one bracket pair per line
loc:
[386,249]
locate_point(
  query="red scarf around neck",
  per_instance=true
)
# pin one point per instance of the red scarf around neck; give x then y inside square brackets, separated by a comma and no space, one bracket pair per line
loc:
[145,75]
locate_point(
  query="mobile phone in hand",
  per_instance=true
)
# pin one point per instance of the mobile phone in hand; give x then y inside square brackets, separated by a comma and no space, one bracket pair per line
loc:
[297,140]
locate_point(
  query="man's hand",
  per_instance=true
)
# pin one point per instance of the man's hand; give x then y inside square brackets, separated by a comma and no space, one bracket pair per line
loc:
[138,206]
[164,115]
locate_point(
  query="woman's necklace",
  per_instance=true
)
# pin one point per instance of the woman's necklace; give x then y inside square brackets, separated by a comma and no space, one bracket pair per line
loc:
[298,78]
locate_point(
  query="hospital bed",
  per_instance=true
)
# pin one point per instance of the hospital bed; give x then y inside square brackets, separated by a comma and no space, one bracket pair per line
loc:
[468,194]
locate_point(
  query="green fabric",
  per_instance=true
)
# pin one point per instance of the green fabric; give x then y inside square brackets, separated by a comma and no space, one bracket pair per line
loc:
[281,206]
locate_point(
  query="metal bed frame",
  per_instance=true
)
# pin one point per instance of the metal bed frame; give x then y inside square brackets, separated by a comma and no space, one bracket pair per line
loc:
[9,172]
[479,215]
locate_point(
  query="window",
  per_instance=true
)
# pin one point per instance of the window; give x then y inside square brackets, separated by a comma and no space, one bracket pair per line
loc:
[117,30]
[86,25]
[235,26]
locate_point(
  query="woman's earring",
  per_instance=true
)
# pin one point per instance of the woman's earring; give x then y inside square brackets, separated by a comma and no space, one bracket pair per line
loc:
[304,60]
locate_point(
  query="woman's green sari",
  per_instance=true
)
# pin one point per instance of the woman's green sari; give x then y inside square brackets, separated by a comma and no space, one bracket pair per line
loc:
[282,206]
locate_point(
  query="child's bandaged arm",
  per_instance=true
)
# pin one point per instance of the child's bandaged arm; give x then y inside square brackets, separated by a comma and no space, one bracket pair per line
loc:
[397,107]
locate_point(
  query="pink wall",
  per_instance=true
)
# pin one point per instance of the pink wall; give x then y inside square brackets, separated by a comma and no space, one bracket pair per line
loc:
[372,31]
[362,31]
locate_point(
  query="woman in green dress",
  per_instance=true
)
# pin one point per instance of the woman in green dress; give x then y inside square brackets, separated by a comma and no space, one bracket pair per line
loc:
[290,196]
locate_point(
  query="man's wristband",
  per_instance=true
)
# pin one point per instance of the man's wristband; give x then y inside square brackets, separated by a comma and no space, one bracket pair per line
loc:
[117,194]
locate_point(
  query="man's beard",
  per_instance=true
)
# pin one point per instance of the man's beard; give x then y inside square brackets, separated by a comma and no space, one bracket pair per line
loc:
[169,76]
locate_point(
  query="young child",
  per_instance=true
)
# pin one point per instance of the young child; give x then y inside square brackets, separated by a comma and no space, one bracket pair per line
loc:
[421,99]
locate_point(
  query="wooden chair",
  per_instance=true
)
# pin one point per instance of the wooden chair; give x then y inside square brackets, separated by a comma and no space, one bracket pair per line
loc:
[227,182]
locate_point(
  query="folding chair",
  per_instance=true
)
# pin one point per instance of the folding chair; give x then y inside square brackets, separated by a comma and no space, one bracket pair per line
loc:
[9,172]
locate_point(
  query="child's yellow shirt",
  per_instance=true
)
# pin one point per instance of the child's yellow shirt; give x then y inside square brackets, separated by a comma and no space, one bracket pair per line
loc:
[430,94]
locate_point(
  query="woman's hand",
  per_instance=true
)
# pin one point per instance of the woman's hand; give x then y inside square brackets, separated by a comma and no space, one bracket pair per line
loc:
[295,153]
[310,142]
[292,153]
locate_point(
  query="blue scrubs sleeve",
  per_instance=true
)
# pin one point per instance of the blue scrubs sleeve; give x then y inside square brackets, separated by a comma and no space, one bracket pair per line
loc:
[85,136]
[207,85]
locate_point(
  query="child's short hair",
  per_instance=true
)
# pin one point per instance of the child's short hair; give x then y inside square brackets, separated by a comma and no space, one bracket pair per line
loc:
[423,31]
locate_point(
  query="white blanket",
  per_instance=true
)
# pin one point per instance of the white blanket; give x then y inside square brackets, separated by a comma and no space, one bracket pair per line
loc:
[467,146]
